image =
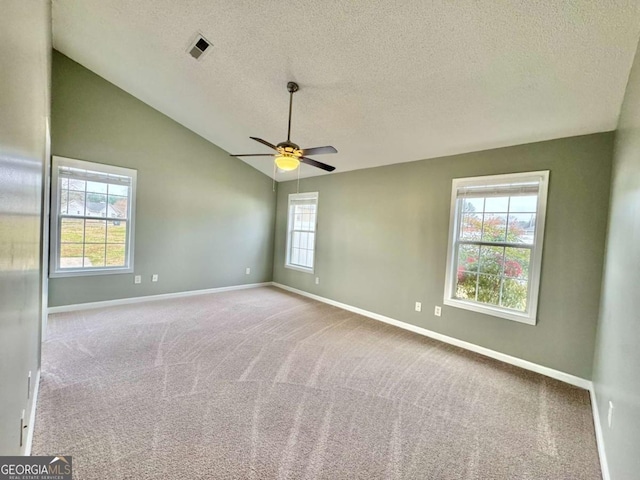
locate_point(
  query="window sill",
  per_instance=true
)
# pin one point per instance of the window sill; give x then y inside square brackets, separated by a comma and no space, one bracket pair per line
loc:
[92,272]
[487,310]
[299,269]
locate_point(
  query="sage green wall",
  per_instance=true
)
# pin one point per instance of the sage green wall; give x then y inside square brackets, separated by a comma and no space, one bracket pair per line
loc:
[617,358]
[382,246]
[202,217]
[25,62]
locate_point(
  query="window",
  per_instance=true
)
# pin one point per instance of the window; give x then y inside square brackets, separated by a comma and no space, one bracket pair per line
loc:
[301,231]
[495,244]
[92,219]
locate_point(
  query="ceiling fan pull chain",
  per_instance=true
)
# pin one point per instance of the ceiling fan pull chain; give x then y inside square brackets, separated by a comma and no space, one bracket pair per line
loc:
[298,188]
[274,176]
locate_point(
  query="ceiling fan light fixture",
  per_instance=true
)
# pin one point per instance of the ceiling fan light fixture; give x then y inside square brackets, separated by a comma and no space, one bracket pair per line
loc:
[287,162]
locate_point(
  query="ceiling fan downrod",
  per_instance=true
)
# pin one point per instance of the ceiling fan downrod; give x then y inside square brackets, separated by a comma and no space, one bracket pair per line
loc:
[293,88]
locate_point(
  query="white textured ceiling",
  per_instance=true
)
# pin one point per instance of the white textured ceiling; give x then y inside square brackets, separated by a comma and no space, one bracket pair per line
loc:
[384,82]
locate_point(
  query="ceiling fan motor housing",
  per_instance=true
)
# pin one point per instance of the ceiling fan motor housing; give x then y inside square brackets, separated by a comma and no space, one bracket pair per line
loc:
[289,147]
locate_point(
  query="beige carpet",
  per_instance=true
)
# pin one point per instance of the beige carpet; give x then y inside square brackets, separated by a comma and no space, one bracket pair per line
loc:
[263,384]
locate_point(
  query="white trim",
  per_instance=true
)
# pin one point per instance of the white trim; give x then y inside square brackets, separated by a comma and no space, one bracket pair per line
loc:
[45,237]
[518,362]
[54,270]
[150,298]
[90,272]
[32,417]
[604,466]
[489,310]
[287,261]
[299,269]
[535,264]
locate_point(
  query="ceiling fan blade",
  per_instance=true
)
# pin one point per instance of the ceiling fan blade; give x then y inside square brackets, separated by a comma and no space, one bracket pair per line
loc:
[315,163]
[319,150]
[264,142]
[252,155]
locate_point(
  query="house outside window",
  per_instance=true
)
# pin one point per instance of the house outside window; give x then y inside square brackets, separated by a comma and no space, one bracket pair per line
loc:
[301,231]
[495,244]
[92,218]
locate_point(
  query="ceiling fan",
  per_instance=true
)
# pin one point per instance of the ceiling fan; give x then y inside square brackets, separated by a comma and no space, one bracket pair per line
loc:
[288,154]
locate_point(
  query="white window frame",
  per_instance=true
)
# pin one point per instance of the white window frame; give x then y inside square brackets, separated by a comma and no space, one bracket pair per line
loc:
[301,196]
[54,270]
[530,315]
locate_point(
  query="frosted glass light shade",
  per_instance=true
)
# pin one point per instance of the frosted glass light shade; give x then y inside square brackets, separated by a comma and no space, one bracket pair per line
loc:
[287,162]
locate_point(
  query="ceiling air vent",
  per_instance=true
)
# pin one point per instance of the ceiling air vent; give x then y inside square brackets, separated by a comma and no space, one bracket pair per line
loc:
[199,48]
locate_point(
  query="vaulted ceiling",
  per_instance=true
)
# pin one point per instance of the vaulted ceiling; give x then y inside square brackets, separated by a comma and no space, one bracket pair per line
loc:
[384,82]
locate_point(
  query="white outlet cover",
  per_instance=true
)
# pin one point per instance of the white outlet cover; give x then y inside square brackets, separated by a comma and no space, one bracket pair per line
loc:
[317,280]
[418,306]
[137,279]
[154,278]
[437,311]
[247,271]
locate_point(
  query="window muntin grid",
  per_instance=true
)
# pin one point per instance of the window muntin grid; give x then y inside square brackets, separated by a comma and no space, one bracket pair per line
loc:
[92,229]
[496,244]
[301,239]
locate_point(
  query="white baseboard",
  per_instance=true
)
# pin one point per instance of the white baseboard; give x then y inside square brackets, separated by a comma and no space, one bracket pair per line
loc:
[150,298]
[32,417]
[604,466]
[527,365]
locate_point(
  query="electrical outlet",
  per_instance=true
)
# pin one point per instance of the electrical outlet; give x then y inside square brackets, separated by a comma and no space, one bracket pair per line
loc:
[137,279]
[317,280]
[437,311]
[154,277]
[247,271]
[418,306]
[610,415]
